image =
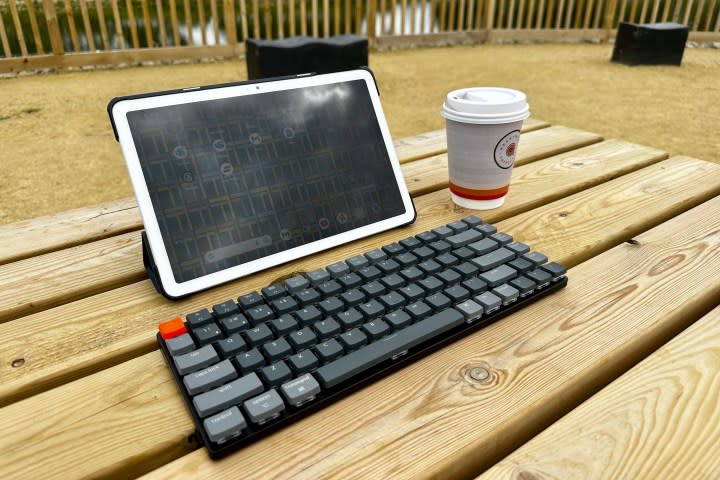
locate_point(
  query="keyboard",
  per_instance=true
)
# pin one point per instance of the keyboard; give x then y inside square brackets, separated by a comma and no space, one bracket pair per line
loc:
[250,366]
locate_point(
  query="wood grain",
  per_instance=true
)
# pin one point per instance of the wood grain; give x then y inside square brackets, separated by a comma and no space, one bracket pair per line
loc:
[119,324]
[45,281]
[659,420]
[431,419]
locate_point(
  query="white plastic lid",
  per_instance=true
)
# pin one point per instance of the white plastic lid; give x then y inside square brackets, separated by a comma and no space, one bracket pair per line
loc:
[486,105]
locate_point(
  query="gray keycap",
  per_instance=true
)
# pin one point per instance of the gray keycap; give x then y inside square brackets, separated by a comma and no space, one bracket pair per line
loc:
[483,246]
[493,259]
[264,407]
[209,377]
[318,276]
[464,238]
[231,394]
[536,258]
[472,220]
[518,248]
[225,425]
[489,301]
[180,344]
[471,310]
[498,275]
[300,390]
[502,238]
[195,360]
[338,269]
[296,283]
[506,293]
[376,255]
[357,262]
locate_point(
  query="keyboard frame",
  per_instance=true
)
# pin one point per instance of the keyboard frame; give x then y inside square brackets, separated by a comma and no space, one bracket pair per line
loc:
[254,432]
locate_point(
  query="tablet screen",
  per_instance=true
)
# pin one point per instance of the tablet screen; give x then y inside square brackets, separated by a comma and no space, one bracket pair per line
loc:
[240,178]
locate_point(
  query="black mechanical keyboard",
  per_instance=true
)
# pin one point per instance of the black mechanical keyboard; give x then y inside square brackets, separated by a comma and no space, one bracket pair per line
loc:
[252,366]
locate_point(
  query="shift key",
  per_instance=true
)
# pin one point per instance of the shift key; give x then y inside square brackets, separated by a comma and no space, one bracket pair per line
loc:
[231,394]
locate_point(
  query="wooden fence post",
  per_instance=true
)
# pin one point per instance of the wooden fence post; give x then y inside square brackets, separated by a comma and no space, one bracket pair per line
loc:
[489,16]
[56,42]
[371,11]
[608,21]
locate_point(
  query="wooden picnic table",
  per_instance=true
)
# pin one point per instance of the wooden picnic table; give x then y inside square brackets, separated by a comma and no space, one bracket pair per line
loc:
[614,376]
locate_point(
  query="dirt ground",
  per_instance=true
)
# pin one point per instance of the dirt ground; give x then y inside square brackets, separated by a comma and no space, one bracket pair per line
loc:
[57,150]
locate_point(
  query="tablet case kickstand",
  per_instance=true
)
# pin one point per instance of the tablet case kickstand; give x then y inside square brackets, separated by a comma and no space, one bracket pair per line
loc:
[152,270]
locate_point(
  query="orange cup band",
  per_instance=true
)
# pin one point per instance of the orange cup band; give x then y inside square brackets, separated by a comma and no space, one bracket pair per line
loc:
[476,194]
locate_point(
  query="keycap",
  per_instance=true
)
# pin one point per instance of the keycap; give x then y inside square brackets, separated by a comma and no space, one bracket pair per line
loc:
[393,281]
[199,318]
[540,277]
[327,328]
[555,269]
[225,425]
[486,229]
[393,248]
[353,297]
[507,293]
[437,301]
[493,259]
[447,259]
[276,373]
[429,267]
[276,349]
[521,265]
[259,314]
[392,300]
[209,377]
[250,360]
[457,293]
[264,407]
[172,328]
[458,226]
[475,285]
[472,220]
[284,324]
[536,258]
[424,252]
[329,350]
[397,319]
[376,255]
[369,273]
[225,309]
[232,345]
[388,266]
[207,333]
[296,283]
[318,276]
[356,262]
[376,329]
[463,253]
[250,300]
[418,310]
[351,280]
[489,301]
[466,269]
[373,289]
[427,237]
[431,284]
[274,291]
[234,323]
[443,231]
[353,339]
[349,318]
[338,269]
[449,276]
[195,360]
[284,305]
[517,248]
[524,285]
[498,275]
[303,361]
[232,393]
[441,246]
[471,310]
[301,390]
[331,306]
[410,242]
[258,335]
[501,238]
[481,247]
[412,292]
[308,315]
[368,356]
[464,238]
[406,259]
[302,338]
[330,288]
[180,344]
[411,274]
[371,309]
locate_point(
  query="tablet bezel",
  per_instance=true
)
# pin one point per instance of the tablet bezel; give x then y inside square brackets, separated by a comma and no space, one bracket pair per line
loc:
[119,109]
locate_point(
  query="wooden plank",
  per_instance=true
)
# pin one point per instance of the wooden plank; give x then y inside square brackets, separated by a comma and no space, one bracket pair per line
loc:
[656,421]
[598,14]
[676,13]
[291,15]
[280,18]
[559,16]
[413,12]
[326,18]
[578,13]
[187,15]
[371,21]
[698,13]
[30,7]
[540,11]
[423,14]
[87,26]
[530,14]
[18,27]
[229,17]
[53,26]
[303,18]
[588,12]
[461,15]
[174,23]
[256,17]
[214,16]
[103,25]
[314,19]
[4,39]
[655,11]
[348,24]
[568,14]
[542,361]
[133,23]
[71,26]
[688,9]
[51,356]
[202,22]
[118,23]
[267,19]
[358,16]
[147,24]
[609,20]
[666,11]
[549,13]
[336,17]
[161,22]
[490,14]
[471,14]
[708,17]
[643,10]
[443,16]
[536,35]
[451,15]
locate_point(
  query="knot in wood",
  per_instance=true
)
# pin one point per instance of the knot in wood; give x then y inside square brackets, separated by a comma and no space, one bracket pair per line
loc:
[479,374]
[18,362]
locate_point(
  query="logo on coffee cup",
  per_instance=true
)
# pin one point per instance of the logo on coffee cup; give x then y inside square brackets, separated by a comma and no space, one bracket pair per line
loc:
[505,149]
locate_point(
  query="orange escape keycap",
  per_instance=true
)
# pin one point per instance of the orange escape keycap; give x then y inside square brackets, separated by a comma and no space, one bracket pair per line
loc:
[172,328]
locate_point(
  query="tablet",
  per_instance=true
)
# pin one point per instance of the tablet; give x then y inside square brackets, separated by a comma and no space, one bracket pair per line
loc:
[233,179]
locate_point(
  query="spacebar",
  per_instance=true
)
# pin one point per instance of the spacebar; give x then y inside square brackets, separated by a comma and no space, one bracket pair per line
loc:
[370,355]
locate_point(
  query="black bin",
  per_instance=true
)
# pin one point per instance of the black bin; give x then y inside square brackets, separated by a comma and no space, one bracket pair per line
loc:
[650,43]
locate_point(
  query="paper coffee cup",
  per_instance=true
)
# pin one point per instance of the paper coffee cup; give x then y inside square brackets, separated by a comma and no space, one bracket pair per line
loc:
[483,133]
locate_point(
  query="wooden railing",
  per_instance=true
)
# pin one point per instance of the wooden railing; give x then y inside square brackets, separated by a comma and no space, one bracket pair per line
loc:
[65,33]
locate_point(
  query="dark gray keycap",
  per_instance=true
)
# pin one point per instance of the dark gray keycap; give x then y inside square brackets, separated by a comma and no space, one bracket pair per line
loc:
[410,242]
[250,300]
[493,259]
[393,248]
[250,360]
[357,262]
[338,269]
[536,258]
[393,281]
[274,292]
[472,220]
[225,425]
[308,296]
[232,345]
[555,269]
[373,289]
[330,288]
[471,310]
[318,276]
[199,318]
[496,276]
[540,277]
[524,285]
[351,280]
[376,329]
[232,393]
[180,344]
[284,324]
[234,323]
[411,274]
[502,238]
[376,255]
[327,328]
[353,297]
[303,338]
[464,253]
[296,283]
[475,285]
[349,318]
[207,333]
[284,305]
[353,339]
[259,314]
[366,357]
[301,390]
[308,315]
[443,231]
[331,306]
[438,301]
[441,246]
[521,265]
[412,292]
[371,309]
[264,407]
[258,335]
[447,259]
[466,269]
[303,361]
[517,248]
[481,247]
[457,293]
[506,293]
[277,349]
[329,350]
[424,252]
[489,301]
[458,226]
[406,259]
[427,237]
[429,267]
[464,238]
[418,310]
[209,377]
[398,319]
[225,309]
[449,277]
[431,284]
[388,266]
[276,373]
[486,229]
[369,273]
[393,300]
